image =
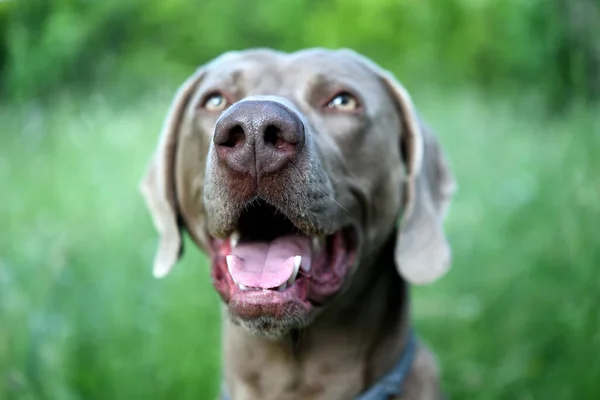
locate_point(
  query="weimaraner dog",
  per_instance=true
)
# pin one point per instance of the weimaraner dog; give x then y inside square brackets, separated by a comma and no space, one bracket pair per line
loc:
[319,195]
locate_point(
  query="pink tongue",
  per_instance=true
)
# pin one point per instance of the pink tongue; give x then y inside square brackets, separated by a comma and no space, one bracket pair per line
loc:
[268,264]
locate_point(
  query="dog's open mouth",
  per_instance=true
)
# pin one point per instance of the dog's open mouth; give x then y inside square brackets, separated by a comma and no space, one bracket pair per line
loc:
[268,265]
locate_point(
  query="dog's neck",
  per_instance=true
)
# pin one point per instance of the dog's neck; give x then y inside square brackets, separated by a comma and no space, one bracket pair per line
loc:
[342,353]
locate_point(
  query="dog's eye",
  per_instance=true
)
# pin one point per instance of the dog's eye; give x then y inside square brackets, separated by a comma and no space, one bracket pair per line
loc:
[215,102]
[343,102]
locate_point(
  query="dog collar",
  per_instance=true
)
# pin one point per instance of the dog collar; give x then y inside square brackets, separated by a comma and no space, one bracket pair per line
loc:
[391,383]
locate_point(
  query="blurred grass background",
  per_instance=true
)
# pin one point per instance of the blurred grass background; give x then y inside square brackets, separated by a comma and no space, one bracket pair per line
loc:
[511,87]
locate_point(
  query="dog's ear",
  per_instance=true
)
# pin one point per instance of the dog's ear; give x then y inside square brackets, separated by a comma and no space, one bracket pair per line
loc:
[158,183]
[422,251]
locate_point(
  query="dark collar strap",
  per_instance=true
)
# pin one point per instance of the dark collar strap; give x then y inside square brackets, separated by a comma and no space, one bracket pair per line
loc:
[391,384]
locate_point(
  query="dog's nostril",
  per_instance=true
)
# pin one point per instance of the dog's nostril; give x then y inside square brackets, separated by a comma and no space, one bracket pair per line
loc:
[274,137]
[235,137]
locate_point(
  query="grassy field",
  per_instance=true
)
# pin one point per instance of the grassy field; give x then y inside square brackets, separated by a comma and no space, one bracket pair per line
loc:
[81,317]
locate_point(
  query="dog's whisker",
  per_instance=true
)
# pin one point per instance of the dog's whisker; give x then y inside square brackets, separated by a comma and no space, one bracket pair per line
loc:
[336,202]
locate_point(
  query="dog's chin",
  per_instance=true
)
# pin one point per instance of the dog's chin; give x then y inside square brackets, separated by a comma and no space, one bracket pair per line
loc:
[275,278]
[271,327]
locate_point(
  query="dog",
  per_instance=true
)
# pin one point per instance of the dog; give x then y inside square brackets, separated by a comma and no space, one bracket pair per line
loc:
[319,195]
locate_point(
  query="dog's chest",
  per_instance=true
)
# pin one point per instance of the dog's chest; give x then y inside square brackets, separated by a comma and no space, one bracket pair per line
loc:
[276,376]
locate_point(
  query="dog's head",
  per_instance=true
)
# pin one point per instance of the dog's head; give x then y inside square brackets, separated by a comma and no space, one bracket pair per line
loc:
[291,171]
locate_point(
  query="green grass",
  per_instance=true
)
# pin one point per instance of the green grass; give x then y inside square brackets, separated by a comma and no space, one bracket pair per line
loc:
[81,317]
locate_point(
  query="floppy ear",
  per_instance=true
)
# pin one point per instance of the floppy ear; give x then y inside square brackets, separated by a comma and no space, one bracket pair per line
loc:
[422,252]
[158,184]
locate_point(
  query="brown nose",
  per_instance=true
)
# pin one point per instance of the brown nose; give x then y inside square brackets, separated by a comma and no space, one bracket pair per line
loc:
[258,136]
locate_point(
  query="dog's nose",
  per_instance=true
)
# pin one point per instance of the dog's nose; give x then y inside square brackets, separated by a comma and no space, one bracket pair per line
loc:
[258,136]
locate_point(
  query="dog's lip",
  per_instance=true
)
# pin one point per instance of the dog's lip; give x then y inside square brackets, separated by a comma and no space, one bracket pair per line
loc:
[254,304]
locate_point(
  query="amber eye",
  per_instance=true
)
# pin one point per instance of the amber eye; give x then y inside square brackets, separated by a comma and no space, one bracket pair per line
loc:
[343,101]
[215,102]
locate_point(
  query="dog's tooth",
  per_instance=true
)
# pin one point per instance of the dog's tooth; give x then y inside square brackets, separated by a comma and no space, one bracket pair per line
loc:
[316,243]
[297,262]
[282,287]
[230,260]
[234,239]
[242,286]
